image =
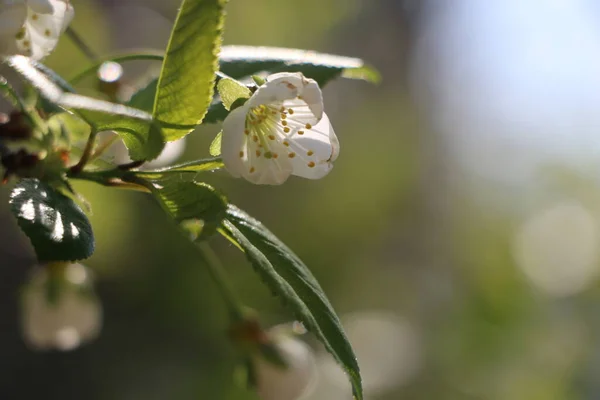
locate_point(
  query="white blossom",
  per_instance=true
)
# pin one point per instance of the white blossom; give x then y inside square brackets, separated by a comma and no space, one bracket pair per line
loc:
[277,383]
[280,131]
[32,27]
[59,308]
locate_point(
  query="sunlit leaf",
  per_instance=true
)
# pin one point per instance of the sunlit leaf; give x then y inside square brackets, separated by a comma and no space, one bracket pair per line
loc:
[215,146]
[289,278]
[142,137]
[243,61]
[56,226]
[191,167]
[186,83]
[231,91]
[192,200]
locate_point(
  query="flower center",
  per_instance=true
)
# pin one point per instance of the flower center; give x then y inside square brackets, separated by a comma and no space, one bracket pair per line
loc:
[261,114]
[261,122]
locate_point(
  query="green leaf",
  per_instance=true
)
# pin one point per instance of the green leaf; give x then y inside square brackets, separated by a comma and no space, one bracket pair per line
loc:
[71,127]
[56,226]
[193,167]
[289,278]
[365,73]
[215,146]
[231,91]
[141,135]
[186,83]
[243,61]
[192,200]
[143,99]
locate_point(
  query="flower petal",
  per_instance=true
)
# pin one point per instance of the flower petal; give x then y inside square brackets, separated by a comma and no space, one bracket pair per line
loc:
[234,141]
[295,78]
[41,6]
[289,86]
[12,18]
[311,94]
[335,143]
[308,90]
[313,151]
[42,31]
[266,166]
[298,114]
[272,93]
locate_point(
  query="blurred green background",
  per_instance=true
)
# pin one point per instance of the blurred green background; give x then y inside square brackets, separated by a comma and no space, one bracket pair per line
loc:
[426,277]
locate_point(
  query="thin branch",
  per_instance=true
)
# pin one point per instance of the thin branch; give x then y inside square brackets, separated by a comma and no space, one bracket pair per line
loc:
[87,152]
[80,43]
[217,272]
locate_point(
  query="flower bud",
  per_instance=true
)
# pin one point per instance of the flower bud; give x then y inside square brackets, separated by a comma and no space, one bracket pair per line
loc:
[274,382]
[15,126]
[18,163]
[59,308]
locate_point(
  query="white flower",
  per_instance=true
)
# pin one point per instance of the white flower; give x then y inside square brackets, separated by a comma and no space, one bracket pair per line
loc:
[59,308]
[280,131]
[32,27]
[276,383]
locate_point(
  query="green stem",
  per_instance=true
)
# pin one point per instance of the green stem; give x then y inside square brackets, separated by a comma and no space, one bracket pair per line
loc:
[215,267]
[217,272]
[80,43]
[109,177]
[151,55]
[120,177]
[11,95]
[87,152]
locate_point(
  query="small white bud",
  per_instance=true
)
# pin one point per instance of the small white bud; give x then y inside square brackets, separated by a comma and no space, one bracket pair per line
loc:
[59,308]
[276,383]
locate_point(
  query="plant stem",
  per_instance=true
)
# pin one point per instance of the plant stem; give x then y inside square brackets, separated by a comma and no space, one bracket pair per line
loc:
[9,92]
[80,43]
[87,152]
[120,177]
[148,55]
[13,97]
[217,272]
